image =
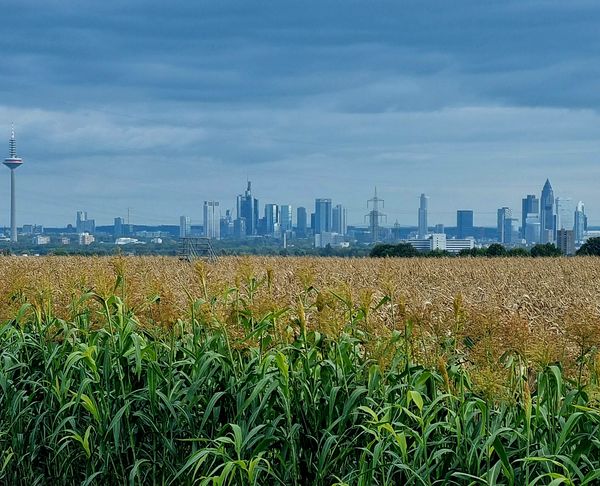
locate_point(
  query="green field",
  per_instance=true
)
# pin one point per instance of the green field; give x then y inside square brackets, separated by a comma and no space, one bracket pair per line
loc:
[246,387]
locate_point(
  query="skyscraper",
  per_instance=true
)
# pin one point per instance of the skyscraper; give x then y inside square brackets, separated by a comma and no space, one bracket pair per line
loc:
[529,205]
[322,216]
[547,214]
[285,217]
[271,218]
[564,213]
[301,221]
[339,216]
[247,208]
[118,228]
[13,162]
[504,214]
[580,225]
[212,220]
[532,228]
[185,225]
[464,223]
[423,206]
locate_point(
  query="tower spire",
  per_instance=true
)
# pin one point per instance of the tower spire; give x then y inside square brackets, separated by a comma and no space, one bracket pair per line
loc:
[12,144]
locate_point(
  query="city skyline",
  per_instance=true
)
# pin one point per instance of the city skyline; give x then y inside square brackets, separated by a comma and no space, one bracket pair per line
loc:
[120,112]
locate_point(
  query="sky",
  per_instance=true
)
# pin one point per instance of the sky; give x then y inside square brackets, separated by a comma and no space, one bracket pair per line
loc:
[157,106]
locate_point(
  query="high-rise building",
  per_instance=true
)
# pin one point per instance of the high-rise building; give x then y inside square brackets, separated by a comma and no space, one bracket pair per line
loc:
[423,207]
[339,217]
[227,226]
[510,232]
[322,216]
[301,221]
[118,228]
[212,220]
[580,226]
[247,208]
[547,214]
[564,213]
[439,229]
[532,228]
[504,214]
[464,223]
[530,204]
[185,226]
[565,241]
[271,218]
[285,217]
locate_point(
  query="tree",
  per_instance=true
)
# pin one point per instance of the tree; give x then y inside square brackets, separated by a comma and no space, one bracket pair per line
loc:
[545,250]
[518,252]
[495,250]
[591,247]
[403,250]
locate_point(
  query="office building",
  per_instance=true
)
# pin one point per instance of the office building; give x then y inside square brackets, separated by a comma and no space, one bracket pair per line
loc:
[185,226]
[86,239]
[464,223]
[118,228]
[247,208]
[547,219]
[423,207]
[565,213]
[530,204]
[532,228]
[503,214]
[439,242]
[323,216]
[565,241]
[227,226]
[212,220]
[439,228]
[580,223]
[510,231]
[339,216]
[285,217]
[301,221]
[271,218]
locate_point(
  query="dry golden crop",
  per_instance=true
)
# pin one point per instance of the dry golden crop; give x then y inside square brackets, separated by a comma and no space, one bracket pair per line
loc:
[541,310]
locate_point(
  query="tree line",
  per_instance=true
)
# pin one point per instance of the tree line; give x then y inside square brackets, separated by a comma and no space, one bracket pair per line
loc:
[405,250]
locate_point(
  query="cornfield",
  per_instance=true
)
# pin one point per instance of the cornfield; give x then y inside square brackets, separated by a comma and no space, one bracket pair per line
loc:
[299,371]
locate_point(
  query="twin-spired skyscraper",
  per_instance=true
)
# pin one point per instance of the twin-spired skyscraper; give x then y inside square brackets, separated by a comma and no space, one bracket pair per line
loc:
[13,162]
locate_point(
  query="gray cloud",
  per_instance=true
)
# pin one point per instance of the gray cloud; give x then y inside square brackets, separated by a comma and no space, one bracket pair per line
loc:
[159,106]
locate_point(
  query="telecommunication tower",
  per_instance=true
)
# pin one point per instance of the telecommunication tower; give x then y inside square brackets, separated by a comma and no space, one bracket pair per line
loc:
[13,162]
[374,217]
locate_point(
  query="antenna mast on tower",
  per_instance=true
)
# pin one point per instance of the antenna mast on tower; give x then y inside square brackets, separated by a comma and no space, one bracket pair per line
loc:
[375,216]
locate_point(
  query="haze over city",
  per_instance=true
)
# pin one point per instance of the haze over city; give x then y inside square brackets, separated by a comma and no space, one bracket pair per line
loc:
[159,106]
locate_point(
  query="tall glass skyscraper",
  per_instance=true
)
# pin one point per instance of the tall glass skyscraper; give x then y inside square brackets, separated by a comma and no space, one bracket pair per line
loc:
[339,215]
[423,206]
[464,223]
[529,205]
[580,222]
[322,216]
[247,209]
[547,228]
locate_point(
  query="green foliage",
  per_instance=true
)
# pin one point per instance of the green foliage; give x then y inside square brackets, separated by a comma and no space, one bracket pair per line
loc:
[403,250]
[545,250]
[99,400]
[495,250]
[591,247]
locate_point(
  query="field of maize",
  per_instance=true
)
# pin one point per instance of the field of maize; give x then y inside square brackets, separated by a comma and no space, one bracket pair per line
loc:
[294,371]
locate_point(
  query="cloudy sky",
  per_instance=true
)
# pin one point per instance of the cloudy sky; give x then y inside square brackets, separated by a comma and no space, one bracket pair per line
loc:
[157,106]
